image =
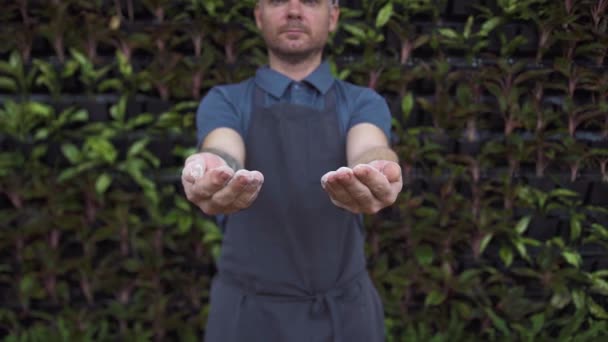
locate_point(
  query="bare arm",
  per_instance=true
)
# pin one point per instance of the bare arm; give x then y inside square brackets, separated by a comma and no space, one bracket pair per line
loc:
[228,144]
[365,143]
[214,178]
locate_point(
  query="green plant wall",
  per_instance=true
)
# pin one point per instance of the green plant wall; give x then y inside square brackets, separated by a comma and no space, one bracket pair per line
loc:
[500,118]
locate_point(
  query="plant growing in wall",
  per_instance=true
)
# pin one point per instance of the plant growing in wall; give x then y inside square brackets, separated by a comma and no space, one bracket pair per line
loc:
[474,42]
[129,80]
[367,33]
[507,83]
[235,32]
[575,77]
[599,12]
[197,26]
[96,28]
[20,35]
[58,26]
[159,8]
[545,124]
[16,77]
[89,74]
[597,118]
[162,69]
[442,106]
[400,23]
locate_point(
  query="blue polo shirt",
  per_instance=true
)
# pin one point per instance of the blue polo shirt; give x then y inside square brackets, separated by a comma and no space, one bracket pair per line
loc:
[230,105]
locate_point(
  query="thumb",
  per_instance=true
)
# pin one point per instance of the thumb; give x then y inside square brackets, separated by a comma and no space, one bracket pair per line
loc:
[195,168]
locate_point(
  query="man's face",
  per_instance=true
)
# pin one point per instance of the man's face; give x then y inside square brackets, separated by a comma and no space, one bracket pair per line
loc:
[296,29]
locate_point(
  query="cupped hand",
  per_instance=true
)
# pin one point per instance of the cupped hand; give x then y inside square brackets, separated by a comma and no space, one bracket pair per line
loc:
[366,188]
[216,188]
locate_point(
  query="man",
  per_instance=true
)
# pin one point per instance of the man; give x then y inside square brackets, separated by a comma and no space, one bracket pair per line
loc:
[291,158]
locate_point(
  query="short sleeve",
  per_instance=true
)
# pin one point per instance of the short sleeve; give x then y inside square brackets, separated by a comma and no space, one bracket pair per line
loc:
[216,111]
[371,108]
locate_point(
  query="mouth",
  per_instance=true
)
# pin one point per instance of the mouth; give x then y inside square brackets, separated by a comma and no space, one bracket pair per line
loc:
[293,29]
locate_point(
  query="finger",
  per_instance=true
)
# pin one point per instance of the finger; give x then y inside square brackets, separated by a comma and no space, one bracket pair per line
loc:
[187,185]
[237,185]
[248,195]
[258,176]
[390,169]
[358,191]
[374,180]
[334,186]
[213,181]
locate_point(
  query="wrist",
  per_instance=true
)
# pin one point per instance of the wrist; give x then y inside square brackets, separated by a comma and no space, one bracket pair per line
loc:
[228,159]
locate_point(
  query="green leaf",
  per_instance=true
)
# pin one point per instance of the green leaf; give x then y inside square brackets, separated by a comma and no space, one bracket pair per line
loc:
[119,110]
[435,297]
[182,204]
[41,134]
[448,33]
[599,286]
[100,148]
[560,298]
[8,84]
[561,192]
[506,255]
[498,322]
[40,109]
[538,322]
[384,15]
[356,31]
[575,226]
[71,152]
[137,147]
[468,27]
[407,104]
[521,248]
[424,254]
[484,242]
[27,284]
[489,26]
[523,224]
[184,223]
[579,298]
[596,310]
[103,183]
[573,258]
[79,115]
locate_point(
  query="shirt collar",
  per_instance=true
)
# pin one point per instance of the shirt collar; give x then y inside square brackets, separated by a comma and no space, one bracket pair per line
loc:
[275,83]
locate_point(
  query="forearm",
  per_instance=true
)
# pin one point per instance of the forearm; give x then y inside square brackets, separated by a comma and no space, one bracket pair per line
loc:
[375,153]
[227,144]
[229,159]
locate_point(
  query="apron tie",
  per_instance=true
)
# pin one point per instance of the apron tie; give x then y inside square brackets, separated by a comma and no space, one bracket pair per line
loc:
[348,292]
[328,300]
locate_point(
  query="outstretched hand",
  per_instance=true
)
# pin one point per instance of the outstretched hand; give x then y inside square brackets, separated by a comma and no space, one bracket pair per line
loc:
[366,188]
[215,187]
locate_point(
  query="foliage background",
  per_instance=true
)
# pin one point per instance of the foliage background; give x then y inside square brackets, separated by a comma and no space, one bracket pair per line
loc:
[500,117]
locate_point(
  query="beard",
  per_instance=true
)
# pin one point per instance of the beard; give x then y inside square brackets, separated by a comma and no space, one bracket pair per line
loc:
[294,56]
[284,49]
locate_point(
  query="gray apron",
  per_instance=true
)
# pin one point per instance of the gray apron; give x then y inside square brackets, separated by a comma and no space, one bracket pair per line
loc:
[292,267]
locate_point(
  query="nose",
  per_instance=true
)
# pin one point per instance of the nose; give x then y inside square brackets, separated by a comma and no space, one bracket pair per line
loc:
[294,9]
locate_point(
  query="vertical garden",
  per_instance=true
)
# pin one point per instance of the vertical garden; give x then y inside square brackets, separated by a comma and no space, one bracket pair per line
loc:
[500,119]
